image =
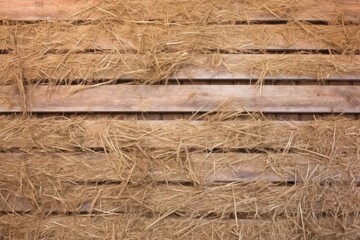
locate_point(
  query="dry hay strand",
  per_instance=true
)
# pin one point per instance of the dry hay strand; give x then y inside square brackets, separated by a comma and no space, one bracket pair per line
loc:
[154,68]
[40,170]
[302,207]
[94,68]
[214,11]
[138,227]
[60,37]
[326,138]
[248,199]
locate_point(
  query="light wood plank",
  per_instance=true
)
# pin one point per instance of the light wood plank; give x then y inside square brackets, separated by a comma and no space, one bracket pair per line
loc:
[49,37]
[184,98]
[185,11]
[91,68]
[42,169]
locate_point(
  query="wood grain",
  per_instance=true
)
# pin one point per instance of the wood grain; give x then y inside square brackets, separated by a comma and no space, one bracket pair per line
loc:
[50,37]
[189,11]
[184,98]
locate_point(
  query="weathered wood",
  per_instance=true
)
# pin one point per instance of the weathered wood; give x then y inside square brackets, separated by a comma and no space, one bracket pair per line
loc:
[50,37]
[91,68]
[42,169]
[185,11]
[184,98]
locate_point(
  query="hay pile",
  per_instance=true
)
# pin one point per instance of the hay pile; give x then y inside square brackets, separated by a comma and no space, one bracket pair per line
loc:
[166,178]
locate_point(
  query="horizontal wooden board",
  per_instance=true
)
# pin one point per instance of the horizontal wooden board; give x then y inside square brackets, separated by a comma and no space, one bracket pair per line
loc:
[139,227]
[76,133]
[152,68]
[50,37]
[42,169]
[252,199]
[184,11]
[184,98]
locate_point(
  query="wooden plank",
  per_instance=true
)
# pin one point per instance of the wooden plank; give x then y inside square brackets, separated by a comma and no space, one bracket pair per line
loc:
[51,37]
[253,199]
[42,169]
[139,227]
[185,11]
[184,98]
[91,68]
[76,133]
[287,116]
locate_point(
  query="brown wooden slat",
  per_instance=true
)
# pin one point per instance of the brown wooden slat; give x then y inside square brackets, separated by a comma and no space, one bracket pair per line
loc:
[185,98]
[188,11]
[287,116]
[139,227]
[41,169]
[47,37]
[254,199]
[152,68]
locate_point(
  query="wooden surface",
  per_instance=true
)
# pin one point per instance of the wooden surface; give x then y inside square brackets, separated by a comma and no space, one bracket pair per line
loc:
[190,98]
[89,148]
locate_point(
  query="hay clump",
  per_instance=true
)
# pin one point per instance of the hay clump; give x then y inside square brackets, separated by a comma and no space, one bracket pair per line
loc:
[77,133]
[137,227]
[63,37]
[304,210]
[153,68]
[215,11]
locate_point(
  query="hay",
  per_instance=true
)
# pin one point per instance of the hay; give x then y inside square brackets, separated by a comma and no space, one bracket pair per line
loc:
[42,169]
[137,227]
[60,37]
[154,53]
[214,11]
[154,68]
[325,137]
[218,178]
[56,179]
[301,207]
[248,200]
